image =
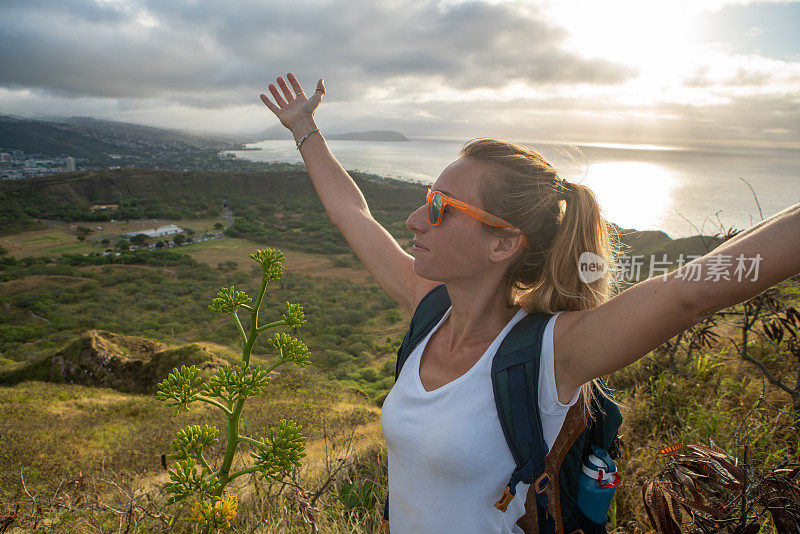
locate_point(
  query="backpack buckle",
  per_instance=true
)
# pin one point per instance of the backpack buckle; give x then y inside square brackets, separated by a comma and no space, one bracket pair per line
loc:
[541,483]
[505,499]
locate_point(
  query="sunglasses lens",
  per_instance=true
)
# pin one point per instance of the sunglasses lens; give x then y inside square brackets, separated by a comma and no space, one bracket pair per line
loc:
[435,209]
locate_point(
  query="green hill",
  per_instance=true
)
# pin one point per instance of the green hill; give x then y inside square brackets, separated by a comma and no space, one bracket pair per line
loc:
[274,206]
[39,137]
[94,139]
[278,207]
[129,364]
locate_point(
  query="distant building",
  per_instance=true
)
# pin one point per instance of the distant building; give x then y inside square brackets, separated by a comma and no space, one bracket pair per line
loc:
[69,164]
[96,207]
[169,229]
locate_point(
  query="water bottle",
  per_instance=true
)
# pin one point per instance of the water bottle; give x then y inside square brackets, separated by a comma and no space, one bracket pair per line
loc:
[596,485]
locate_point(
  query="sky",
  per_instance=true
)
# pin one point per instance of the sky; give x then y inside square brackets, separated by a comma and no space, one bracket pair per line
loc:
[672,72]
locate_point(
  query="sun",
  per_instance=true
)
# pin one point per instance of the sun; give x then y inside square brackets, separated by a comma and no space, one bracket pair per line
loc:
[632,194]
[652,38]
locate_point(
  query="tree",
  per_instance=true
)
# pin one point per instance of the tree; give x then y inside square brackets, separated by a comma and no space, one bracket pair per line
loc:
[122,244]
[139,239]
[179,239]
[218,226]
[105,242]
[160,244]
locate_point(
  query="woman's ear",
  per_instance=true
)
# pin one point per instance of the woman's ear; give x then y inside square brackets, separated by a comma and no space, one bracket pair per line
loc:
[504,248]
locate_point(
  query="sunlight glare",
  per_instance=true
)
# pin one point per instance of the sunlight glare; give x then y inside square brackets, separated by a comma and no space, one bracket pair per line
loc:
[632,194]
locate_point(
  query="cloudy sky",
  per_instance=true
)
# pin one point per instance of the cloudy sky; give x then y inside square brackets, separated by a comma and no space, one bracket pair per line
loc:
[639,71]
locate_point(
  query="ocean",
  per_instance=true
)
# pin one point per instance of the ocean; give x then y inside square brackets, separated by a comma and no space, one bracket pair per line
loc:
[680,191]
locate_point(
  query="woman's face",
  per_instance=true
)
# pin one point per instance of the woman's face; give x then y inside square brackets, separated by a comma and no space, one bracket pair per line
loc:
[458,247]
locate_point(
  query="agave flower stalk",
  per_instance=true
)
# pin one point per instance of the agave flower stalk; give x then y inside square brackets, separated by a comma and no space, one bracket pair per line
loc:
[228,389]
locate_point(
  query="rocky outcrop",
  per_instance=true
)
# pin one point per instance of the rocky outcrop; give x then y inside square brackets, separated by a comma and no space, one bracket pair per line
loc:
[125,363]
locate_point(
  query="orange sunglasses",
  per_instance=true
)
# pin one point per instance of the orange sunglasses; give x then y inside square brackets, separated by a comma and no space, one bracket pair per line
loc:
[437,201]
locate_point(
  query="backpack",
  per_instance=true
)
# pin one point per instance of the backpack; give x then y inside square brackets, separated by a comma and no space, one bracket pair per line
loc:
[553,477]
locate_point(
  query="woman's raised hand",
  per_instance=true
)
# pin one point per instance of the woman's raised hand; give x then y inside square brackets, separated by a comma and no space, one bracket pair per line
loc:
[293,107]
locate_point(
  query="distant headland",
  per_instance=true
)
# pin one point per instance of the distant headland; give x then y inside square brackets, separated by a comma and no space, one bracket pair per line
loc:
[391,136]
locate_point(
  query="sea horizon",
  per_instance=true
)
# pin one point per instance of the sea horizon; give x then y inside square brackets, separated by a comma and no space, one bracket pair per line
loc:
[679,190]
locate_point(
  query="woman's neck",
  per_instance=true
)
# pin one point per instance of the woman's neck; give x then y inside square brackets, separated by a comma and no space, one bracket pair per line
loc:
[478,314]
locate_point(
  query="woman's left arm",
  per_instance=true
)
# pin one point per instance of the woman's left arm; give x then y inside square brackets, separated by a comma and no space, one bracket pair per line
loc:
[612,336]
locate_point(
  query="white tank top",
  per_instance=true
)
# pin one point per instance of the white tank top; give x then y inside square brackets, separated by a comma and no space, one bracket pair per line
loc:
[448,458]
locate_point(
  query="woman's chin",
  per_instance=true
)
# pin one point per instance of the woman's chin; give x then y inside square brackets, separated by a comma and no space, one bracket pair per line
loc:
[421,271]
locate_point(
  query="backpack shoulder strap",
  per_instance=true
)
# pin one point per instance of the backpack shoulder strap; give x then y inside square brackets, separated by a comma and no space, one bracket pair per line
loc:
[429,310]
[515,381]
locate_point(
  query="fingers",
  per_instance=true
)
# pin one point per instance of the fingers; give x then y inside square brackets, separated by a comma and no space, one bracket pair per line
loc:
[289,94]
[277,96]
[272,107]
[285,88]
[295,84]
[317,96]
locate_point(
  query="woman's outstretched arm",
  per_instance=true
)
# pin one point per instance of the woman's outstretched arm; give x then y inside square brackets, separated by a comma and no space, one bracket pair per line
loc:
[383,257]
[612,336]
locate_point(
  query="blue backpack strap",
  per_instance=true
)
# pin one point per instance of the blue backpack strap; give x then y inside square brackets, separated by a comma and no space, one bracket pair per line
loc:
[515,381]
[429,311]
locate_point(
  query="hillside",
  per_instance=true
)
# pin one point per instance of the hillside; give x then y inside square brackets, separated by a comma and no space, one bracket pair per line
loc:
[97,139]
[149,134]
[273,206]
[280,132]
[129,364]
[74,316]
[371,135]
[40,137]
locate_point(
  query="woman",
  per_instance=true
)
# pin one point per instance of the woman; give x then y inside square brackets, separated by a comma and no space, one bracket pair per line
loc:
[505,234]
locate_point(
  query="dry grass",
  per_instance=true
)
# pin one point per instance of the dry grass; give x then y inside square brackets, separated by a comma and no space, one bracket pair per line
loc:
[238,250]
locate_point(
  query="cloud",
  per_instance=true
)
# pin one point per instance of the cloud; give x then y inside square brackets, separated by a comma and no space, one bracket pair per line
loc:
[429,67]
[734,73]
[194,51]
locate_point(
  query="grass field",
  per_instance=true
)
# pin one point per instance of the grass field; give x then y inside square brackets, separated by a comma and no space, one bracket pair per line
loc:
[218,251]
[89,451]
[59,432]
[62,237]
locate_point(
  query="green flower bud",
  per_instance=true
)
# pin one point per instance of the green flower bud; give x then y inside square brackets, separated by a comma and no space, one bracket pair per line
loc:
[192,440]
[270,260]
[294,316]
[180,388]
[291,349]
[185,481]
[280,450]
[228,300]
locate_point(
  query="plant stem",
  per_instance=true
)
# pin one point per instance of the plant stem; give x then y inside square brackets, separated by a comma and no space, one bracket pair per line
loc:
[241,472]
[217,404]
[233,418]
[239,326]
[252,442]
[270,325]
[203,461]
[274,365]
